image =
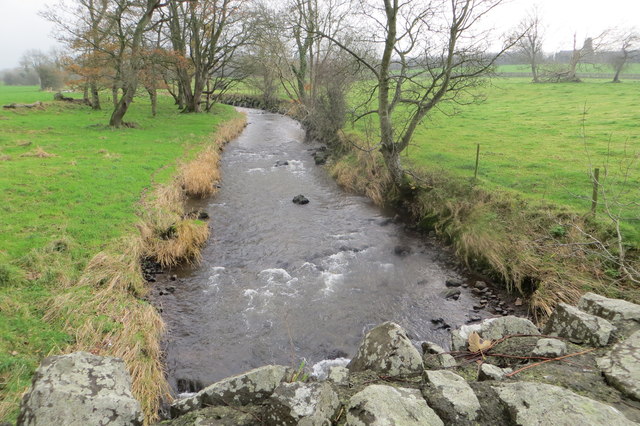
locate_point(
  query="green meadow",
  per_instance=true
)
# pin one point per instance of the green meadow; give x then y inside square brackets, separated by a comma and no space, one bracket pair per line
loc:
[541,141]
[70,185]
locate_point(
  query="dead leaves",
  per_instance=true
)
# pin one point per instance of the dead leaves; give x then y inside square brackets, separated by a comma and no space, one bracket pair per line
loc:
[476,344]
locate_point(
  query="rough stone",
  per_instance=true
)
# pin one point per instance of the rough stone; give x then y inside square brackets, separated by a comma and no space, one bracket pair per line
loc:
[621,367]
[451,293]
[80,389]
[220,416]
[379,405]
[338,375]
[453,282]
[251,387]
[492,372]
[387,350]
[451,397]
[530,404]
[579,327]
[550,348]
[497,328]
[492,329]
[300,199]
[625,316]
[436,358]
[303,404]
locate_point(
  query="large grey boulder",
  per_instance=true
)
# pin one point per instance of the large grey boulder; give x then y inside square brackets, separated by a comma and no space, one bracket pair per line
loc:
[254,386]
[387,350]
[538,404]
[304,404]
[80,389]
[451,397]
[625,316]
[493,329]
[621,366]
[579,327]
[382,405]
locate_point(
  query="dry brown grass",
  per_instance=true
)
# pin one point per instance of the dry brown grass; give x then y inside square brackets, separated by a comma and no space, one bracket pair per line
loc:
[364,173]
[111,322]
[5,158]
[199,177]
[38,153]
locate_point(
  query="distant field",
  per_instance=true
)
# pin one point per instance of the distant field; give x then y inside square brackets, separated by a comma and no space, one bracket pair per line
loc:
[530,138]
[631,71]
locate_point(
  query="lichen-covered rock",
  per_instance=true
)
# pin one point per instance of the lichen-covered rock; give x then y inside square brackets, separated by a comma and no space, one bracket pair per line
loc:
[579,327]
[381,405]
[625,316]
[80,389]
[304,404]
[338,375]
[492,372]
[537,404]
[436,358]
[251,387]
[249,415]
[492,329]
[497,328]
[451,397]
[621,366]
[550,348]
[387,350]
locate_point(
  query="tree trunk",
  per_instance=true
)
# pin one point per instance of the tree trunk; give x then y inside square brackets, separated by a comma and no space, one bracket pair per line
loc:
[394,166]
[95,97]
[153,96]
[114,95]
[85,94]
[534,72]
[194,97]
[616,77]
[121,108]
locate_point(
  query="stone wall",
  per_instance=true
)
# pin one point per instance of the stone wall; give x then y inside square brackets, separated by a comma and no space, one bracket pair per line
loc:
[583,368]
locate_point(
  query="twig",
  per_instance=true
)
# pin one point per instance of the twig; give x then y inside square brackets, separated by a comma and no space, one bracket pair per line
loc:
[549,360]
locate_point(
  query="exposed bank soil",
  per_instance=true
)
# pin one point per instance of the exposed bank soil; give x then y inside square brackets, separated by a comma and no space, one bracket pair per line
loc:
[281,282]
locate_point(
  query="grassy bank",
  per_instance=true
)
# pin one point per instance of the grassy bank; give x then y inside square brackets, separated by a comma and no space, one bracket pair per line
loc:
[83,204]
[522,218]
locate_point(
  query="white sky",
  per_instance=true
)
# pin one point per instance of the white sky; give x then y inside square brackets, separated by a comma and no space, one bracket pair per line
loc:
[22,29]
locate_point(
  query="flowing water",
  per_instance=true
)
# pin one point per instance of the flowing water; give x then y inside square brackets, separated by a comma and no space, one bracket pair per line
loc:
[281,282]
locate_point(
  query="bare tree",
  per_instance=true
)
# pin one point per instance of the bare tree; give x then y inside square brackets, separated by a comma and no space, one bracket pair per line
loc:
[47,66]
[627,43]
[432,54]
[579,55]
[529,47]
[206,35]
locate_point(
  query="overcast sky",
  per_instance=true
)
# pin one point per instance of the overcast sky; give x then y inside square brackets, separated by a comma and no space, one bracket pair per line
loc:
[22,29]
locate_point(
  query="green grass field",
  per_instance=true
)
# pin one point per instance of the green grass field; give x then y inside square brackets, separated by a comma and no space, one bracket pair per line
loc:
[531,142]
[69,202]
[632,70]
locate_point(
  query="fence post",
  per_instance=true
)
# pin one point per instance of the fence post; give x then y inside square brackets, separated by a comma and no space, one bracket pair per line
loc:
[596,184]
[475,175]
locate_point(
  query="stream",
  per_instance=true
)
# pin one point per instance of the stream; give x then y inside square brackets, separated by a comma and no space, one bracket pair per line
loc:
[281,282]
